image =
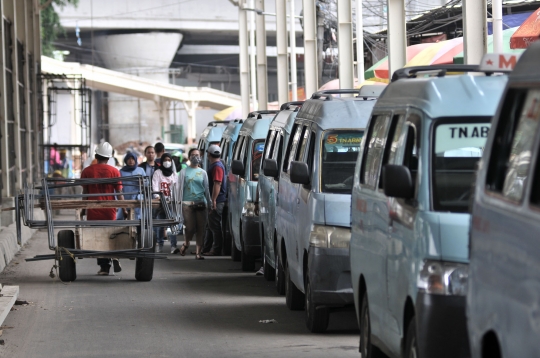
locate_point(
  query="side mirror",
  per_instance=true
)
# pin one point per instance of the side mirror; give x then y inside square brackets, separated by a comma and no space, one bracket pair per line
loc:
[237,168]
[397,181]
[300,173]
[270,168]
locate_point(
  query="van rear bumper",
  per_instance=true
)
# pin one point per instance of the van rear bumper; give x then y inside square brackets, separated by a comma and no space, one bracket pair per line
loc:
[251,235]
[441,326]
[330,276]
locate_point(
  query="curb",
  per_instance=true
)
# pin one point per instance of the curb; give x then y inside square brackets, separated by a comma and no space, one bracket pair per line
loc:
[8,297]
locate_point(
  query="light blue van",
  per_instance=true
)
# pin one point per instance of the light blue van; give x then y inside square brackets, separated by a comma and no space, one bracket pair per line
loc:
[314,201]
[277,139]
[503,300]
[410,211]
[242,181]
[210,135]
[226,144]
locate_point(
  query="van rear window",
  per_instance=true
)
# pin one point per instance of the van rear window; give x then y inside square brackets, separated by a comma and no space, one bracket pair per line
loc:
[339,153]
[456,150]
[256,156]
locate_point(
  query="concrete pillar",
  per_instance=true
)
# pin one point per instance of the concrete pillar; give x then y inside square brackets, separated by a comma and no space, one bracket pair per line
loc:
[252,60]
[397,36]
[310,47]
[244,64]
[359,42]
[281,44]
[148,55]
[345,45]
[262,72]
[496,10]
[3,102]
[475,33]
[292,45]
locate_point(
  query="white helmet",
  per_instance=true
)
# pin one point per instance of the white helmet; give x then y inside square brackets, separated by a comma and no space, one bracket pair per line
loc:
[104,149]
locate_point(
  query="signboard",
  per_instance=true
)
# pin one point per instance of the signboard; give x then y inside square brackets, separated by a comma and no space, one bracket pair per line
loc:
[468,137]
[499,62]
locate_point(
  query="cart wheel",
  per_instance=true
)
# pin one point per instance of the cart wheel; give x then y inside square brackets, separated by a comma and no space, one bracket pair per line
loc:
[66,266]
[144,268]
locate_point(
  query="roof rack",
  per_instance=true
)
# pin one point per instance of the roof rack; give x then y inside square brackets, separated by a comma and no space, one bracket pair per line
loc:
[237,120]
[327,94]
[215,123]
[371,90]
[259,114]
[437,70]
[287,105]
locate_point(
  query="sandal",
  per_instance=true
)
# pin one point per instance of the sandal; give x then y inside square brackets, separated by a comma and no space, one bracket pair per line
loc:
[183,249]
[199,257]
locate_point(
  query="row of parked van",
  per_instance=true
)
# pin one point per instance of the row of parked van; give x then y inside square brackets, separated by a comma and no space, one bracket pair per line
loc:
[414,205]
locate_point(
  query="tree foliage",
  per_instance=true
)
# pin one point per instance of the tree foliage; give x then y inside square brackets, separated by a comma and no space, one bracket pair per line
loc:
[51,28]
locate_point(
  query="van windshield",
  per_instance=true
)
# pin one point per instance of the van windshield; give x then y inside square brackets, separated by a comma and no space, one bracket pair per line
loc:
[339,153]
[256,156]
[456,149]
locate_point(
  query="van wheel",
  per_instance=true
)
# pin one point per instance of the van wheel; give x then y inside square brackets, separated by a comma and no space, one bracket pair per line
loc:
[294,298]
[316,317]
[411,346]
[269,271]
[280,275]
[67,271]
[235,253]
[366,349]
[144,267]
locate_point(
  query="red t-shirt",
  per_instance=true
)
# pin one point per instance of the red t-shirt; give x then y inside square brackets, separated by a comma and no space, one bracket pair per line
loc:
[218,174]
[101,171]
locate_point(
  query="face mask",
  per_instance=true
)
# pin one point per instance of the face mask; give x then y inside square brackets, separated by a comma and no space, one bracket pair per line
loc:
[167,164]
[195,159]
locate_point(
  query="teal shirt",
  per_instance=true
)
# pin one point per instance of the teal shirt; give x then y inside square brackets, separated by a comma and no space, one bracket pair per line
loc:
[193,185]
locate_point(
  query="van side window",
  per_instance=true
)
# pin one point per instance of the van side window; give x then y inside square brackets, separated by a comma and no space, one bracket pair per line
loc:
[512,148]
[300,154]
[291,147]
[238,148]
[373,152]
[394,133]
[270,143]
[278,148]
[410,156]
[311,154]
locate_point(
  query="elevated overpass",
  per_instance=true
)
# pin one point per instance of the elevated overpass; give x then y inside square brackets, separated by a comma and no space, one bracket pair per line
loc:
[102,79]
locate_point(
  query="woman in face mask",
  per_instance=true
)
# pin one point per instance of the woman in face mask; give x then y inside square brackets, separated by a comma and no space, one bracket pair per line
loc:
[193,190]
[164,180]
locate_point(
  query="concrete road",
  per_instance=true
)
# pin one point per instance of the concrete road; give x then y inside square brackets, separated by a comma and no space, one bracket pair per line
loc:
[191,308]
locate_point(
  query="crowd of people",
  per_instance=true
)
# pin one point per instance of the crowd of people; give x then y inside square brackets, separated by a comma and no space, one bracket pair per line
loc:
[202,195]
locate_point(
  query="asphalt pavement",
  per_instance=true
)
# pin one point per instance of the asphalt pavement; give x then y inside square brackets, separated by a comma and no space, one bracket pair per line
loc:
[191,308]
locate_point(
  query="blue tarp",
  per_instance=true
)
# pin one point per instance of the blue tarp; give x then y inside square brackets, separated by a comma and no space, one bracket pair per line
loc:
[510,21]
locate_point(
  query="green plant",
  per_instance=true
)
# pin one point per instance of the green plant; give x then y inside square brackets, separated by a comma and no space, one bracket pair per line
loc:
[50,23]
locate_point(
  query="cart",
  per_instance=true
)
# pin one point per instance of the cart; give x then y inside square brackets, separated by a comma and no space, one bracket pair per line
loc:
[79,238]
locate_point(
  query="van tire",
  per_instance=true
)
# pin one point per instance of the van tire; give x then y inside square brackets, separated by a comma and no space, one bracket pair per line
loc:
[67,271]
[280,275]
[411,344]
[144,267]
[316,317]
[294,298]
[248,262]
[366,349]
[269,271]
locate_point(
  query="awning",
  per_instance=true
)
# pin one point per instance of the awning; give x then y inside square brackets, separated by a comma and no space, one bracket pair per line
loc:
[528,32]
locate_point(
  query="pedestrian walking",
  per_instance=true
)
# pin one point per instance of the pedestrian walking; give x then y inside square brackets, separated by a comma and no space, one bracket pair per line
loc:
[129,169]
[150,165]
[160,150]
[195,195]
[218,188]
[164,180]
[101,169]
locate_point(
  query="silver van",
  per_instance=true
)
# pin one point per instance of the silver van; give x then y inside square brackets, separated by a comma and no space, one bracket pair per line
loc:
[410,210]
[268,186]
[503,300]
[210,135]
[314,200]
[242,187]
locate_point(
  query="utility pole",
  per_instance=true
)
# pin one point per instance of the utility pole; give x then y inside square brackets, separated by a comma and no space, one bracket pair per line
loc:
[345,44]
[359,42]
[474,26]
[292,44]
[281,44]
[244,65]
[496,11]
[252,61]
[310,47]
[397,35]
[262,75]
